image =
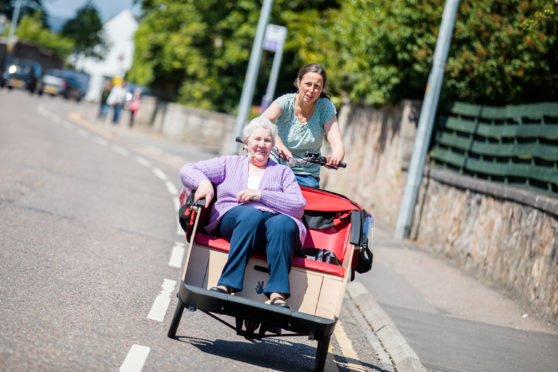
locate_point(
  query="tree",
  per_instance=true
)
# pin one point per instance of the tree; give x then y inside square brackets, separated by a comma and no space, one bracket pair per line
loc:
[197,52]
[86,30]
[30,28]
[28,7]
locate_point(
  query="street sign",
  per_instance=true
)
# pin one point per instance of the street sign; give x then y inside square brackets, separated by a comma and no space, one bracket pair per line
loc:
[274,37]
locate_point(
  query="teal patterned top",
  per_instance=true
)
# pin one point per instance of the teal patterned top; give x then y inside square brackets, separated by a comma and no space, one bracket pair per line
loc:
[299,137]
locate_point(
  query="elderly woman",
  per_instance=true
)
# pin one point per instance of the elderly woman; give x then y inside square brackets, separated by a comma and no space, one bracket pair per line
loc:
[303,119]
[259,204]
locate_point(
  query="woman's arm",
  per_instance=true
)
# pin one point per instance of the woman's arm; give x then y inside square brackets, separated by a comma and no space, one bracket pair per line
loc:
[272,113]
[201,175]
[289,199]
[333,135]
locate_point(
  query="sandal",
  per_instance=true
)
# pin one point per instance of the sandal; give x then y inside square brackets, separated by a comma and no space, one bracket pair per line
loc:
[279,301]
[220,289]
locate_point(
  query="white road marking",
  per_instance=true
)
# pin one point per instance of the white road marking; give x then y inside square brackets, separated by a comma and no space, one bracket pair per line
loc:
[176,202]
[162,301]
[346,346]
[67,125]
[120,150]
[100,141]
[177,255]
[179,230]
[143,161]
[83,132]
[159,173]
[171,187]
[135,359]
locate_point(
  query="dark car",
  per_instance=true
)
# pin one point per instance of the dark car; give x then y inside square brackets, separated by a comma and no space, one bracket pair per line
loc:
[21,73]
[57,82]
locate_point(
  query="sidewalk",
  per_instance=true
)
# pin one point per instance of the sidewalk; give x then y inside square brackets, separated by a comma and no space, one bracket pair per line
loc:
[440,317]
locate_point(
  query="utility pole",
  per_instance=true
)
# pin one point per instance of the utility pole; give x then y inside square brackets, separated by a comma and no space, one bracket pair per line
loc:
[13,25]
[251,74]
[426,121]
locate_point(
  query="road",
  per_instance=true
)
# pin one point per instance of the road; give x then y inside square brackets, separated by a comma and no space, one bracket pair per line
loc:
[88,228]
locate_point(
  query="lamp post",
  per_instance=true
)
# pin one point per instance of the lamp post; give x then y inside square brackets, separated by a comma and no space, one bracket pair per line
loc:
[251,74]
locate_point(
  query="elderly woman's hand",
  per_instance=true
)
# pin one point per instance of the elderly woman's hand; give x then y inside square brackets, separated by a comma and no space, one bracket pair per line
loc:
[248,195]
[204,190]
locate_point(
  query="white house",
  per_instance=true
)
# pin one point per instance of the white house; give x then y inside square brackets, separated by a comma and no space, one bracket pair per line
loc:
[119,33]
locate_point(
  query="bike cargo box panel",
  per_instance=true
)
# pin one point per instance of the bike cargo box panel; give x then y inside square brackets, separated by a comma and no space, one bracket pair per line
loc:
[312,292]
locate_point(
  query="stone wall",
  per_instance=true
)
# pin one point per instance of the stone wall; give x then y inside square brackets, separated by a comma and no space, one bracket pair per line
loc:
[378,147]
[208,129]
[506,236]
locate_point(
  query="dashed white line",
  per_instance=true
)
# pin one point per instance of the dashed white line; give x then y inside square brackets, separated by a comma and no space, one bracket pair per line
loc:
[120,150]
[171,187]
[67,125]
[162,301]
[177,255]
[135,359]
[143,161]
[100,141]
[83,132]
[159,173]
[176,202]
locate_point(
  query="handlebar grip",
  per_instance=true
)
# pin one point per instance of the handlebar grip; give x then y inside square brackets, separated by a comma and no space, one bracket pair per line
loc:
[201,203]
[238,139]
[342,165]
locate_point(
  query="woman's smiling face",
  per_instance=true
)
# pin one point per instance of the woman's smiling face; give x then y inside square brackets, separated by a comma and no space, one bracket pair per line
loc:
[259,146]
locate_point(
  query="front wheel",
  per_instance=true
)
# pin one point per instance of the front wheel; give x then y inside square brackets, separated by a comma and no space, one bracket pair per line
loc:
[321,354]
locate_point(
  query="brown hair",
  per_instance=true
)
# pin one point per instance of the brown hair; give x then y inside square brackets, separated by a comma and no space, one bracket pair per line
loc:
[313,67]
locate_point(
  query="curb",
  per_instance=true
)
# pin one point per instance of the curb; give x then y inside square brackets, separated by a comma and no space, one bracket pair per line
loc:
[402,355]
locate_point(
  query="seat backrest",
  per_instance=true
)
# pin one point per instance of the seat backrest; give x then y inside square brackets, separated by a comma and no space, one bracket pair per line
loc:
[334,239]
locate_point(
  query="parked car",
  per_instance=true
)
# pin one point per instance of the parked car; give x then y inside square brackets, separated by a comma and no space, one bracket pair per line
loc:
[56,82]
[21,73]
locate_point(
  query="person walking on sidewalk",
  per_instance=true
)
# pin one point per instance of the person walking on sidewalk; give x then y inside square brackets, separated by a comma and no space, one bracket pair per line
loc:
[103,105]
[117,99]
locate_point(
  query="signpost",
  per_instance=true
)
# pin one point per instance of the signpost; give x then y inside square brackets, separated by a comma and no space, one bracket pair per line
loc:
[274,42]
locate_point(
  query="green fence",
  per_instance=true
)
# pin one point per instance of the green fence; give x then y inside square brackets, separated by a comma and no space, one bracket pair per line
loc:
[514,145]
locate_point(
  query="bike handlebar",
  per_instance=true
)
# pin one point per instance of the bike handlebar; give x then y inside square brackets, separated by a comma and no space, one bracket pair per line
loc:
[312,157]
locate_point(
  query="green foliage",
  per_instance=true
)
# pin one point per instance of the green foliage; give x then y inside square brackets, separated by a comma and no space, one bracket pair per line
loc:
[199,51]
[375,51]
[31,28]
[86,30]
[28,8]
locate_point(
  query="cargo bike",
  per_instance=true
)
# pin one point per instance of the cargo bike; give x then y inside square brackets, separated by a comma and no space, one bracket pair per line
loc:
[335,247]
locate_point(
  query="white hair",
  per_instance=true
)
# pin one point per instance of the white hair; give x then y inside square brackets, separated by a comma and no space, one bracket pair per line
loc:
[259,122]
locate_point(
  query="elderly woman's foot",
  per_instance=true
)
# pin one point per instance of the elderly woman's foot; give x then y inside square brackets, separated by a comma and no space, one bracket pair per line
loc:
[221,289]
[278,300]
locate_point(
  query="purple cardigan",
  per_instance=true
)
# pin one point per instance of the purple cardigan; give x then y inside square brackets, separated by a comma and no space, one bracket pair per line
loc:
[280,191]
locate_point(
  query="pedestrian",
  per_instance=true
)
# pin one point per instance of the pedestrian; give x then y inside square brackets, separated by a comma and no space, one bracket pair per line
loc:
[103,106]
[258,206]
[134,105]
[303,119]
[117,99]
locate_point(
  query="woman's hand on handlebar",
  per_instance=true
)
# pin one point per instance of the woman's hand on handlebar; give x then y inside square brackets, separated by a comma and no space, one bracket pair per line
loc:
[334,160]
[204,190]
[282,149]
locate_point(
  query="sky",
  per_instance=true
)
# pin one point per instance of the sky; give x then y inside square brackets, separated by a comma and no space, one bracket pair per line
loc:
[65,9]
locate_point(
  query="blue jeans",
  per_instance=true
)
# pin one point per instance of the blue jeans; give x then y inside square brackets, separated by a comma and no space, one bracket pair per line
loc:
[248,229]
[309,181]
[117,108]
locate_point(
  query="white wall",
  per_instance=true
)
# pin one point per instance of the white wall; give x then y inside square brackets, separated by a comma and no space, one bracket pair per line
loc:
[119,32]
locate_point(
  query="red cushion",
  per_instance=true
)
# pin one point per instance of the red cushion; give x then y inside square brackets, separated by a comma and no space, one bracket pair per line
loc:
[306,263]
